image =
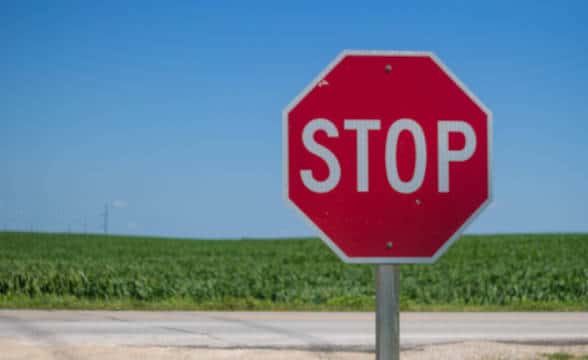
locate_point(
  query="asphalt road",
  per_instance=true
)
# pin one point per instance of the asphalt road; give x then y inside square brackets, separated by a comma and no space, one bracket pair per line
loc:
[295,330]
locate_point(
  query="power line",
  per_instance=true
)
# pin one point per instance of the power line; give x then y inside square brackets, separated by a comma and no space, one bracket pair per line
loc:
[105,215]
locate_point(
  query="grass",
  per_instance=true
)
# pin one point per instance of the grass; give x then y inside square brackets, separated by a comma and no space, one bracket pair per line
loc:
[479,273]
[565,356]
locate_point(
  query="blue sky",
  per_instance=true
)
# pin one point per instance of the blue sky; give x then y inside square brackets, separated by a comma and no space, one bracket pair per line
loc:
[170,112]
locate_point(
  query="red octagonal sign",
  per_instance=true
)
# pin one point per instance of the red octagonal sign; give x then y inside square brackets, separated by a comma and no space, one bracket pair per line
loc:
[388,155]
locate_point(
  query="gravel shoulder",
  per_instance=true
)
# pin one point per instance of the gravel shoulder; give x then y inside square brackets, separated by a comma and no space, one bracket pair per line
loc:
[16,350]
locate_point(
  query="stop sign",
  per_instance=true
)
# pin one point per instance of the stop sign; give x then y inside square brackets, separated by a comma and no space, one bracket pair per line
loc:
[388,155]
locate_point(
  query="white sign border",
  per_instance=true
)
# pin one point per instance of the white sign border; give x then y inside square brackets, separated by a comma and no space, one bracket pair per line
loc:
[324,237]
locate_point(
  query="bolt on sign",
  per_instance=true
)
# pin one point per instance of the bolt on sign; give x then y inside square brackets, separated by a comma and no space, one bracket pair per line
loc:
[388,155]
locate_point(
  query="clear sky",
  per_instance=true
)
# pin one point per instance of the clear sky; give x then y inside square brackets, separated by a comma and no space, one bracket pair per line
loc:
[170,111]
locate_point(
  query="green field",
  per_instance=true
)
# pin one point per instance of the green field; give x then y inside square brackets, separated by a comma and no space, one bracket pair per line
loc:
[504,272]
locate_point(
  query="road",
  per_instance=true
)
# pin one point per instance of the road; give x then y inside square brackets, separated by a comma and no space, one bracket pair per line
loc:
[293,330]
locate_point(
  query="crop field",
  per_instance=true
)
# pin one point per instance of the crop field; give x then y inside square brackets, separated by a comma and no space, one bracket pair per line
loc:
[503,272]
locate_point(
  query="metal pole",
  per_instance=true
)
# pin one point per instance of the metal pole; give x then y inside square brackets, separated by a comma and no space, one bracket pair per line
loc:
[105,218]
[387,312]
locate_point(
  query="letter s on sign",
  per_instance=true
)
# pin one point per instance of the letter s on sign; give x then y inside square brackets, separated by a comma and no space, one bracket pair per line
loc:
[325,154]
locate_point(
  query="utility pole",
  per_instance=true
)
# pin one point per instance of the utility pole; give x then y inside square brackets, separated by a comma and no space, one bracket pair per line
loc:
[105,214]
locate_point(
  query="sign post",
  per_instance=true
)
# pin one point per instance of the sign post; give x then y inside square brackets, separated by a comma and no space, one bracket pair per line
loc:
[387,312]
[387,155]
